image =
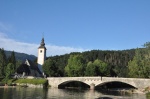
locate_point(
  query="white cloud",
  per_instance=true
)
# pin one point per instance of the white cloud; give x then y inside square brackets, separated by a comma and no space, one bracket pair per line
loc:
[59,50]
[13,45]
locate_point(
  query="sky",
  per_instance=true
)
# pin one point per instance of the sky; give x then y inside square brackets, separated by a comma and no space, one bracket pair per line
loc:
[73,25]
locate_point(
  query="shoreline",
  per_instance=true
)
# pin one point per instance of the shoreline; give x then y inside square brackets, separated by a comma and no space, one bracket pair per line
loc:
[8,86]
[131,91]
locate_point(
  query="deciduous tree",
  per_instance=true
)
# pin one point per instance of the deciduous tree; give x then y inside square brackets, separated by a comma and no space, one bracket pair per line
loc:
[75,66]
[140,65]
[90,69]
[102,68]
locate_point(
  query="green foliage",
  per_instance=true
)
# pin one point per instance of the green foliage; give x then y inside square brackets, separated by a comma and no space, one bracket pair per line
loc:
[12,59]
[121,71]
[148,95]
[3,62]
[118,59]
[18,63]
[133,69]
[102,67]
[140,65]
[8,81]
[10,69]
[97,68]
[90,69]
[31,81]
[75,66]
[49,68]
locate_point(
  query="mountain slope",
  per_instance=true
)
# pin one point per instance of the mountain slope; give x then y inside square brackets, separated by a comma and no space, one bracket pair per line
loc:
[21,56]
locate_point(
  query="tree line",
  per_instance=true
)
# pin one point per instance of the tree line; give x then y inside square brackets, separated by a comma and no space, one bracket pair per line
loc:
[125,63]
[90,63]
[7,64]
[122,63]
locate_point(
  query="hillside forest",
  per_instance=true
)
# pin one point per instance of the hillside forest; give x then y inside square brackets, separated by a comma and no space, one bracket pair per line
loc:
[122,63]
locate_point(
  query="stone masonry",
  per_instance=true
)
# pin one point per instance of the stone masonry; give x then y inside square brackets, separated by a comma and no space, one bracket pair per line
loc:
[95,81]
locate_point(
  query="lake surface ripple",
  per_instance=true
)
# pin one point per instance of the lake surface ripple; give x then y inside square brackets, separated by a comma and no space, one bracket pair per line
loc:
[51,93]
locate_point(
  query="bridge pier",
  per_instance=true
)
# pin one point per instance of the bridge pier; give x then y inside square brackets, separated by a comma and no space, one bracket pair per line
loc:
[92,86]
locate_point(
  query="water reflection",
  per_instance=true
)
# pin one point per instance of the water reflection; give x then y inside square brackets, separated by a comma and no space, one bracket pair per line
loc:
[39,93]
[72,94]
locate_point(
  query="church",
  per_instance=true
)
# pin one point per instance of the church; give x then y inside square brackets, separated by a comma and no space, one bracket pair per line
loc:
[30,68]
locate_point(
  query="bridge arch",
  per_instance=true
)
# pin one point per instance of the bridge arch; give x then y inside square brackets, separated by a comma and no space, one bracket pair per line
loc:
[67,82]
[117,84]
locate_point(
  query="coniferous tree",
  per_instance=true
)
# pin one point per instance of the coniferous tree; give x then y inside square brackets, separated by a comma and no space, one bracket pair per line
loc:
[3,62]
[49,68]
[12,59]
[10,69]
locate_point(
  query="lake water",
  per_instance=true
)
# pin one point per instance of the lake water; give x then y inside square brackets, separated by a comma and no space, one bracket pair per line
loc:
[40,93]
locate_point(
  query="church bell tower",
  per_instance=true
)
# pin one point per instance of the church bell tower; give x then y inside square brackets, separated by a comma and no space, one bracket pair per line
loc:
[41,55]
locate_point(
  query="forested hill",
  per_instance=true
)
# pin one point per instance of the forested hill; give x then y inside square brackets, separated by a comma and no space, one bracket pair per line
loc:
[21,56]
[116,59]
[119,58]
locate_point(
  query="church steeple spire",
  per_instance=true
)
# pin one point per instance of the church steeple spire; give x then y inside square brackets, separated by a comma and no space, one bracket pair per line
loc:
[42,45]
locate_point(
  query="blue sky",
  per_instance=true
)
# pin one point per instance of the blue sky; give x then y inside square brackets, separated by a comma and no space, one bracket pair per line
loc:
[73,25]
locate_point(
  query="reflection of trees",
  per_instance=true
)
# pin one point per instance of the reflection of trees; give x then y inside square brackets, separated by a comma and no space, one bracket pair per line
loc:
[4,93]
[23,93]
[40,93]
[31,93]
[148,95]
[72,94]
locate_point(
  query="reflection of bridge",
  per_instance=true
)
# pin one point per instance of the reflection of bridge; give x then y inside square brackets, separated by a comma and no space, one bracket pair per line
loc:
[95,81]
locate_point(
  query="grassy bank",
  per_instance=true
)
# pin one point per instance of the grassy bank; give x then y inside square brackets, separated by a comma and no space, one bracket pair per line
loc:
[31,81]
[10,82]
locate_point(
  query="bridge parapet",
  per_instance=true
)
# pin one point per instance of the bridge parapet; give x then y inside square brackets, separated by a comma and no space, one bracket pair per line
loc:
[135,82]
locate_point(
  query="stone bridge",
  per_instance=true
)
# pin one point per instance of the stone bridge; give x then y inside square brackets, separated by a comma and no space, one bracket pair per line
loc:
[95,81]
